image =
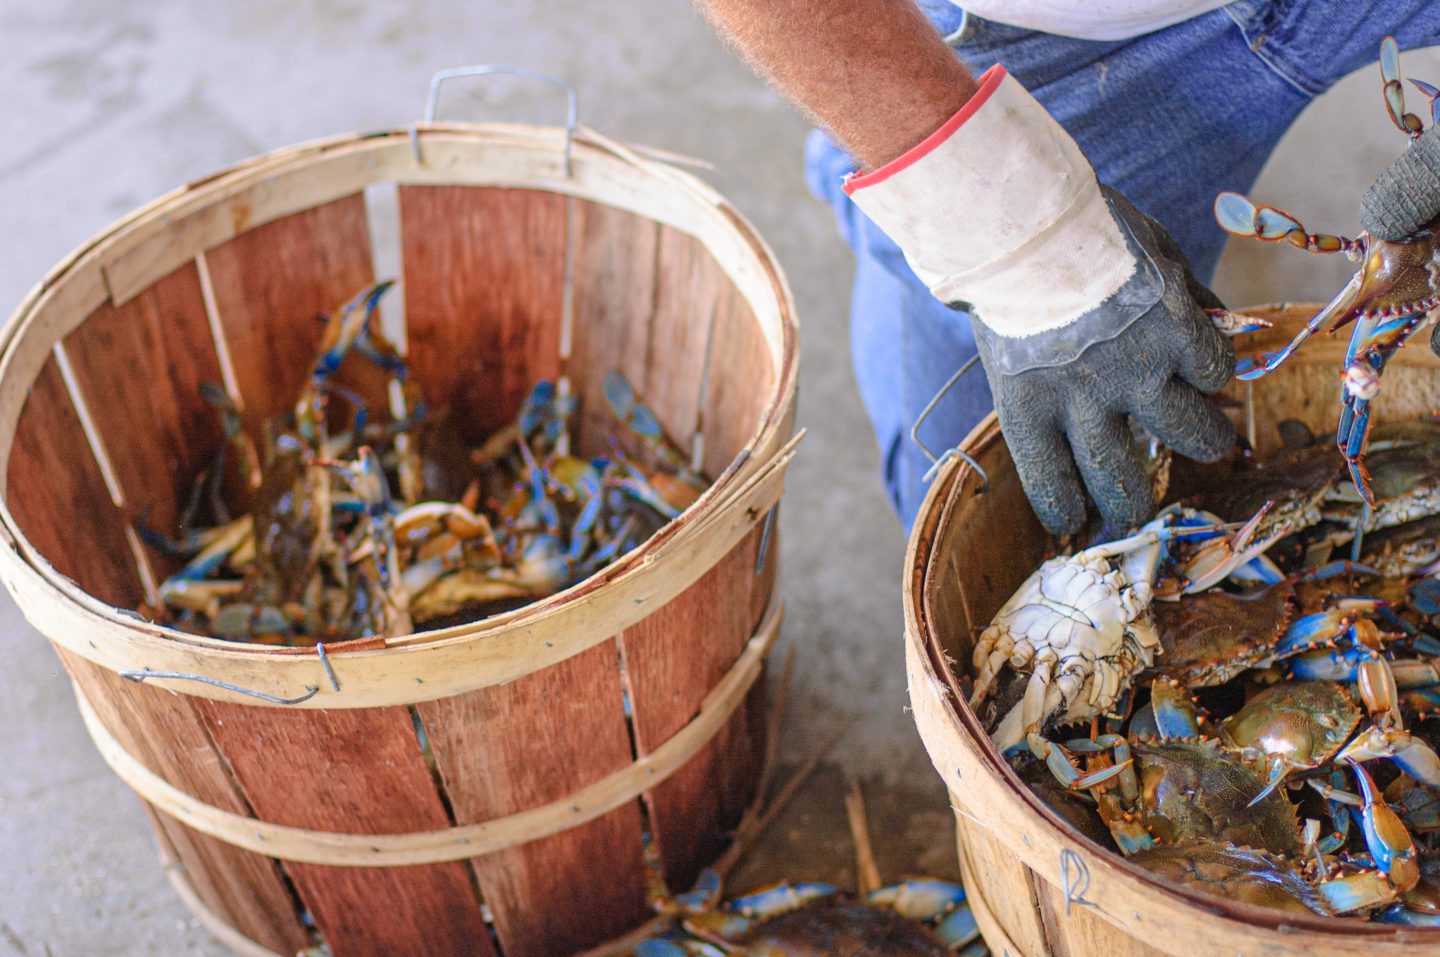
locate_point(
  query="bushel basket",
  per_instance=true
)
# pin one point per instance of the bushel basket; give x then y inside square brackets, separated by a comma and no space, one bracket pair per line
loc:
[1038,887]
[570,738]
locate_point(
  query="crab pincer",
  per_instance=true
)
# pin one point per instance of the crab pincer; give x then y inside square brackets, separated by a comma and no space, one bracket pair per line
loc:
[1392,851]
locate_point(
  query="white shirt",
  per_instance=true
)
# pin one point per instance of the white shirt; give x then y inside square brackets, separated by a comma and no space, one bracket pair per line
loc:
[1090,19]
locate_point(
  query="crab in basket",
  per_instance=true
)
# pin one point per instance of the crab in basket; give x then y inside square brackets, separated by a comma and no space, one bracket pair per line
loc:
[1391,296]
[1082,626]
[1197,810]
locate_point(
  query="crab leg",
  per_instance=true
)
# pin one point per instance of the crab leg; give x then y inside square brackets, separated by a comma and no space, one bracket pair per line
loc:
[1337,309]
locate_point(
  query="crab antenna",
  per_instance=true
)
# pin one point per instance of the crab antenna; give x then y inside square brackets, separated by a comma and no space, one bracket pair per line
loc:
[1407,123]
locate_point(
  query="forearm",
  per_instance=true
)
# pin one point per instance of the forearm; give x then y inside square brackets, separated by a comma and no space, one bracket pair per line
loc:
[873,72]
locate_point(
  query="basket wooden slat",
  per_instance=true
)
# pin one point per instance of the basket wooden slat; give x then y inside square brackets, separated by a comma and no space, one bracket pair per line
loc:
[616,255]
[730,400]
[1039,888]
[164,328]
[525,712]
[272,284]
[484,746]
[692,813]
[54,479]
[165,733]
[352,769]
[495,257]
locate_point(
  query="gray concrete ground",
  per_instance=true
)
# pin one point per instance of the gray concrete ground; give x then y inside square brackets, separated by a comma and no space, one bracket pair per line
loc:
[107,105]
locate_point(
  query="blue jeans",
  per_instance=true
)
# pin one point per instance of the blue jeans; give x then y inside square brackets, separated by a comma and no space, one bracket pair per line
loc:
[1170,119]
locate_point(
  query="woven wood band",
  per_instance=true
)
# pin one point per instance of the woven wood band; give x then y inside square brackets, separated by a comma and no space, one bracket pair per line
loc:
[454,843]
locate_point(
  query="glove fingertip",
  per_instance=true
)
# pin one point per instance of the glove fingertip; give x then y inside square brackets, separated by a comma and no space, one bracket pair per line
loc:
[1060,517]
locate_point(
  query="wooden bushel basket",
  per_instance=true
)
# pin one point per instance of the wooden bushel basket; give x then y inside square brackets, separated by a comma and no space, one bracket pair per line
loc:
[525,256]
[1037,887]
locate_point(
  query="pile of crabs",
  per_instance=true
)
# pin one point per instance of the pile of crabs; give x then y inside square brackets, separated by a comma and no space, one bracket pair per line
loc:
[360,522]
[1241,697]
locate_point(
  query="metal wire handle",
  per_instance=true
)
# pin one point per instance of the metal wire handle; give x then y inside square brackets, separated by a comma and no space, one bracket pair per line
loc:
[954,452]
[144,673]
[432,101]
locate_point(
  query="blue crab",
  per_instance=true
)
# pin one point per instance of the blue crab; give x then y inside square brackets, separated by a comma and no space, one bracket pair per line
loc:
[915,918]
[1169,786]
[1390,297]
[1082,624]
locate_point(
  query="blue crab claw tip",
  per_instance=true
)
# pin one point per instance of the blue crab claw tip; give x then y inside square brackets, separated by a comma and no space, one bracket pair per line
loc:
[959,928]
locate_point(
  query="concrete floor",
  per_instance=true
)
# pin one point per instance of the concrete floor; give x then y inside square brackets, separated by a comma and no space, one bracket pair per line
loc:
[108,105]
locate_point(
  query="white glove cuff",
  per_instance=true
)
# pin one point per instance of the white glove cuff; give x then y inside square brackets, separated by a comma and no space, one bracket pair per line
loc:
[1000,209]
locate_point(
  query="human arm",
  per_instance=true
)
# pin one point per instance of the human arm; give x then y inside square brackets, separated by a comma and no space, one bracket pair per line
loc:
[1088,314]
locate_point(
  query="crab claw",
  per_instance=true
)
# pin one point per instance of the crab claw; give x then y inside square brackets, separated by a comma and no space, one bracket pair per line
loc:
[705,893]
[1410,754]
[919,899]
[1219,557]
[1386,836]
[1236,323]
[1433,94]
[1324,627]
[959,929]
[779,898]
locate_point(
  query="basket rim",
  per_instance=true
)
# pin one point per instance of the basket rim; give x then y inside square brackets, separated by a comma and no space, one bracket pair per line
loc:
[936,513]
[26,571]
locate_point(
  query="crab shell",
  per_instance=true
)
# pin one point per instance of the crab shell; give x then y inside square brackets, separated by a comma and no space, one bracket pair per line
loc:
[1193,790]
[1403,550]
[828,927]
[1298,723]
[1091,617]
[1209,638]
[1234,873]
[1395,278]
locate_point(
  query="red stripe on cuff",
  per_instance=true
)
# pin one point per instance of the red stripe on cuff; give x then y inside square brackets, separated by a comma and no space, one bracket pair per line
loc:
[989,82]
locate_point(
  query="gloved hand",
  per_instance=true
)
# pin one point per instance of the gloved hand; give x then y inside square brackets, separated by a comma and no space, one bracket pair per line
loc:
[1087,310]
[1406,198]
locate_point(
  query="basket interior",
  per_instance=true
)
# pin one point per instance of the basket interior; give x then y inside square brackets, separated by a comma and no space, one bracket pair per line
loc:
[985,544]
[114,428]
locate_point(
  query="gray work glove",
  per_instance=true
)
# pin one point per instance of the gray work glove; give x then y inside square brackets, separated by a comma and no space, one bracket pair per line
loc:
[1086,312]
[1149,352]
[1406,198]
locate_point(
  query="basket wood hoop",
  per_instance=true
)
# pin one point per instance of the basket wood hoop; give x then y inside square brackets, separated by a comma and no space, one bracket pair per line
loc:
[1038,886]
